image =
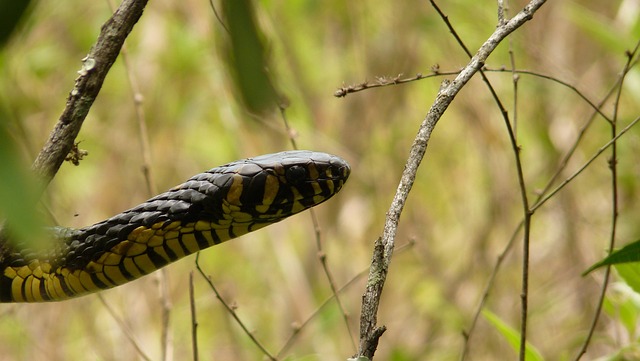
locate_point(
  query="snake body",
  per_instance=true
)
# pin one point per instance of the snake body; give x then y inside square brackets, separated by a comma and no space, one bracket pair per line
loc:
[208,209]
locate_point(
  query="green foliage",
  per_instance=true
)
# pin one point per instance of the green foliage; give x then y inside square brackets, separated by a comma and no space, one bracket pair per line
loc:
[630,273]
[512,336]
[247,59]
[622,303]
[597,26]
[11,14]
[626,254]
[19,192]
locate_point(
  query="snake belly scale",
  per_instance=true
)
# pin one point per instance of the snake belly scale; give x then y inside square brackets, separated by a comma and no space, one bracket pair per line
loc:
[208,209]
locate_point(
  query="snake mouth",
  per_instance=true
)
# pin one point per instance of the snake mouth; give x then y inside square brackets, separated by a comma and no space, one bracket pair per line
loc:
[269,192]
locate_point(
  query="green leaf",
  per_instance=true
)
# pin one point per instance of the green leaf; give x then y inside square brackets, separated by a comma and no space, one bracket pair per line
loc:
[11,14]
[628,253]
[19,192]
[622,303]
[512,336]
[630,273]
[247,60]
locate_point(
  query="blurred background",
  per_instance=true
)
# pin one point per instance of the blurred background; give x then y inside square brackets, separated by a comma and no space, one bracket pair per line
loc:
[464,207]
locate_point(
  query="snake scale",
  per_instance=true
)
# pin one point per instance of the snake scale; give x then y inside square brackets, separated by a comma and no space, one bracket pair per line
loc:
[210,208]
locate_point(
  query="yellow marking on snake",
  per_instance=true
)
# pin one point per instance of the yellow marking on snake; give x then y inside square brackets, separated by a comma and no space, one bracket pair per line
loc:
[26,288]
[144,263]
[162,252]
[74,283]
[155,241]
[171,226]
[189,241]
[114,274]
[270,193]
[103,278]
[202,226]
[16,289]
[132,268]
[171,234]
[175,247]
[210,208]
[235,191]
[53,285]
[35,289]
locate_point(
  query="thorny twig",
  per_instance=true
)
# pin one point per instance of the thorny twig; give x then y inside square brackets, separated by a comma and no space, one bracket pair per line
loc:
[382,81]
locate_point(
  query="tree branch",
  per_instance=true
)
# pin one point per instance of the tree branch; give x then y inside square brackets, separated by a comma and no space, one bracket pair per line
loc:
[95,67]
[383,250]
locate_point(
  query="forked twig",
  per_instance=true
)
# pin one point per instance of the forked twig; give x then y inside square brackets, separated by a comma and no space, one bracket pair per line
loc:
[370,332]
[527,214]
[298,328]
[547,195]
[613,166]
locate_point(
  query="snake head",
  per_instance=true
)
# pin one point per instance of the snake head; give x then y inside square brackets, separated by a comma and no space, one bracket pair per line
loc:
[269,188]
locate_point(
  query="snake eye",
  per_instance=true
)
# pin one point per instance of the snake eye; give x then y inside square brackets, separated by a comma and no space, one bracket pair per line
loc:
[296,174]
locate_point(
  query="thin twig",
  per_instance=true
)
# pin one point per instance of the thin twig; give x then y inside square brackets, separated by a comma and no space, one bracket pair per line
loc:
[166,341]
[218,17]
[382,81]
[194,320]
[322,256]
[145,150]
[232,311]
[299,327]
[613,166]
[485,294]
[543,196]
[527,214]
[94,69]
[508,247]
[383,249]
[568,180]
[123,327]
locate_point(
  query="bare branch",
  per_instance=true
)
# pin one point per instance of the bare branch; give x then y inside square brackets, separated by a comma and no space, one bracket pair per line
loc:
[95,67]
[370,332]
[194,320]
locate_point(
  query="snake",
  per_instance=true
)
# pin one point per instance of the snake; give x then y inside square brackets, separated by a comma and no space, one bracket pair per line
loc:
[210,208]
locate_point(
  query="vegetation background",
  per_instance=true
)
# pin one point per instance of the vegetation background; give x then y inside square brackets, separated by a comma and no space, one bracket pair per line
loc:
[463,210]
